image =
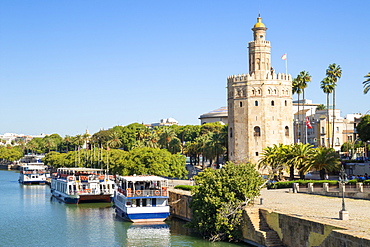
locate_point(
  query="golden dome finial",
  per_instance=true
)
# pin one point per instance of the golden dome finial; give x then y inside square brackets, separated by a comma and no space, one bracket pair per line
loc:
[259,22]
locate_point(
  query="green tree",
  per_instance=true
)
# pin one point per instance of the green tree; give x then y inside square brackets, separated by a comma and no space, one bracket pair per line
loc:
[301,157]
[363,128]
[327,87]
[324,160]
[366,83]
[335,73]
[320,107]
[300,83]
[166,134]
[218,200]
[274,160]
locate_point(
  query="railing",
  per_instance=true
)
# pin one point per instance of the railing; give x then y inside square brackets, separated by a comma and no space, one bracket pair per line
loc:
[90,192]
[140,193]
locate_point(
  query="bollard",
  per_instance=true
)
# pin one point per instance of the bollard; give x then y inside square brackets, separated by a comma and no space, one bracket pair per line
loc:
[261,201]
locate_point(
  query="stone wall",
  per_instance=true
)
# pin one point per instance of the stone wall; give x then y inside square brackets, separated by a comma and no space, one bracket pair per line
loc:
[297,231]
[179,202]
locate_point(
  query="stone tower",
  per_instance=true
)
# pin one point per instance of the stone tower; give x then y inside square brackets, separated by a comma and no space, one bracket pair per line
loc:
[259,104]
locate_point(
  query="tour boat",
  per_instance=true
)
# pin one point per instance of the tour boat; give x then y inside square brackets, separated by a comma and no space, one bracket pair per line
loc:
[33,173]
[76,185]
[142,198]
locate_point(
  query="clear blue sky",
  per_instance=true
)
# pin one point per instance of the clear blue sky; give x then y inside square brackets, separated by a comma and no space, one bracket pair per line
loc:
[66,66]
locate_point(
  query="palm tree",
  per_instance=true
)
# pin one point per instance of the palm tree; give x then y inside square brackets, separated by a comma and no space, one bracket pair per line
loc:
[304,78]
[324,160]
[115,141]
[335,72]
[321,107]
[327,87]
[166,134]
[366,83]
[273,159]
[296,89]
[302,157]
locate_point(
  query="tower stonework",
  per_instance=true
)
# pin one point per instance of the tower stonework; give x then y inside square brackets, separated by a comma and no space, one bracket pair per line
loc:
[259,104]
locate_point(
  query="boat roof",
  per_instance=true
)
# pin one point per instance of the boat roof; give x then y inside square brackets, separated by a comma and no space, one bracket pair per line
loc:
[137,178]
[80,169]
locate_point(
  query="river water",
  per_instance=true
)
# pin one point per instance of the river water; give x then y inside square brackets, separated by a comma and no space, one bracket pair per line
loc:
[29,216]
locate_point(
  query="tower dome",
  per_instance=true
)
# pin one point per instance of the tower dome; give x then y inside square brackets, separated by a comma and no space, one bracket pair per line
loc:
[259,23]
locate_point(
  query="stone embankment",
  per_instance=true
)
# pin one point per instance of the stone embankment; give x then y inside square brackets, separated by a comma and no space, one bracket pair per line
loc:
[311,220]
[295,219]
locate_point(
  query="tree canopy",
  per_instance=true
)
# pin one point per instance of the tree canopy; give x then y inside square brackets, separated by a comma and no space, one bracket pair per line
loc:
[363,128]
[219,197]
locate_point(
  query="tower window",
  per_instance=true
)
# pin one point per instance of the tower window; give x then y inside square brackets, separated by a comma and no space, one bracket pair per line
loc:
[241,104]
[286,131]
[231,132]
[256,153]
[286,103]
[256,103]
[272,102]
[257,131]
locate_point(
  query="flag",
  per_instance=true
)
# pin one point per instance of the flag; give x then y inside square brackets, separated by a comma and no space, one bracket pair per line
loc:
[283,57]
[308,124]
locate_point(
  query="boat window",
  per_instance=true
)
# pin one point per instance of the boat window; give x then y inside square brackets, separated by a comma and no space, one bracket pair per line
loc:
[137,202]
[144,203]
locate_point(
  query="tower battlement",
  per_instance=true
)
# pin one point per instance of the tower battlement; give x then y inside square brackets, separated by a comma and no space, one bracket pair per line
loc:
[282,77]
[260,42]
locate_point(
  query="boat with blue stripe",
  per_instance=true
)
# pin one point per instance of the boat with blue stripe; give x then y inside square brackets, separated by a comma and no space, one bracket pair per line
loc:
[142,198]
[33,173]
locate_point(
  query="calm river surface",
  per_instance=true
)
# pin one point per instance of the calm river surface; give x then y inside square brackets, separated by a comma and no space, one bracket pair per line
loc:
[30,217]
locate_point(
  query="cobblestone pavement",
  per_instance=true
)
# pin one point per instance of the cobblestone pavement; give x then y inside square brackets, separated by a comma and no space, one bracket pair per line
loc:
[319,208]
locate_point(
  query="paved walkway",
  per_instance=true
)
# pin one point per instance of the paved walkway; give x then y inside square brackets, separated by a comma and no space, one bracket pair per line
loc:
[319,208]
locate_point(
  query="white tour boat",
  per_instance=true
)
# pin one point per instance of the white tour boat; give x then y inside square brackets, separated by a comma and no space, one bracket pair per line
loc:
[75,185]
[33,173]
[142,198]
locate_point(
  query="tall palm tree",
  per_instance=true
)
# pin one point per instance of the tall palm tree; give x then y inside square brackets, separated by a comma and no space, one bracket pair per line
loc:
[304,78]
[335,72]
[296,89]
[366,83]
[327,87]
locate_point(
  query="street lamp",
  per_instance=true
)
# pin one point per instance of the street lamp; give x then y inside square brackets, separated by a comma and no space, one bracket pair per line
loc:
[343,214]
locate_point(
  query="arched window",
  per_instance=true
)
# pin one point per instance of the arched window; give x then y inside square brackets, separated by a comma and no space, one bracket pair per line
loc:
[257,131]
[286,131]
[253,92]
[256,103]
[268,91]
[275,92]
[241,104]
[272,103]
[259,91]
[286,103]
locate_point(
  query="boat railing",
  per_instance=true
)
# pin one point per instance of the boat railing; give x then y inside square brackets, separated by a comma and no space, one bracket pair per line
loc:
[86,178]
[90,192]
[144,193]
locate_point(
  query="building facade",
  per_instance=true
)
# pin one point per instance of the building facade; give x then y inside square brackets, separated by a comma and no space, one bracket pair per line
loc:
[259,104]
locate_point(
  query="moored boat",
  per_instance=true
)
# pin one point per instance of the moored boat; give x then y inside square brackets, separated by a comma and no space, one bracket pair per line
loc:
[33,173]
[76,185]
[142,198]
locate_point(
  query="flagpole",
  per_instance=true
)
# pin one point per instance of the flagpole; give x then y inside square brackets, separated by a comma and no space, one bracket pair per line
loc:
[286,64]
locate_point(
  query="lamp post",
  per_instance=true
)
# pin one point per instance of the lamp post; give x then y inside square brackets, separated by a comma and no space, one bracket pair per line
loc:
[343,214]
